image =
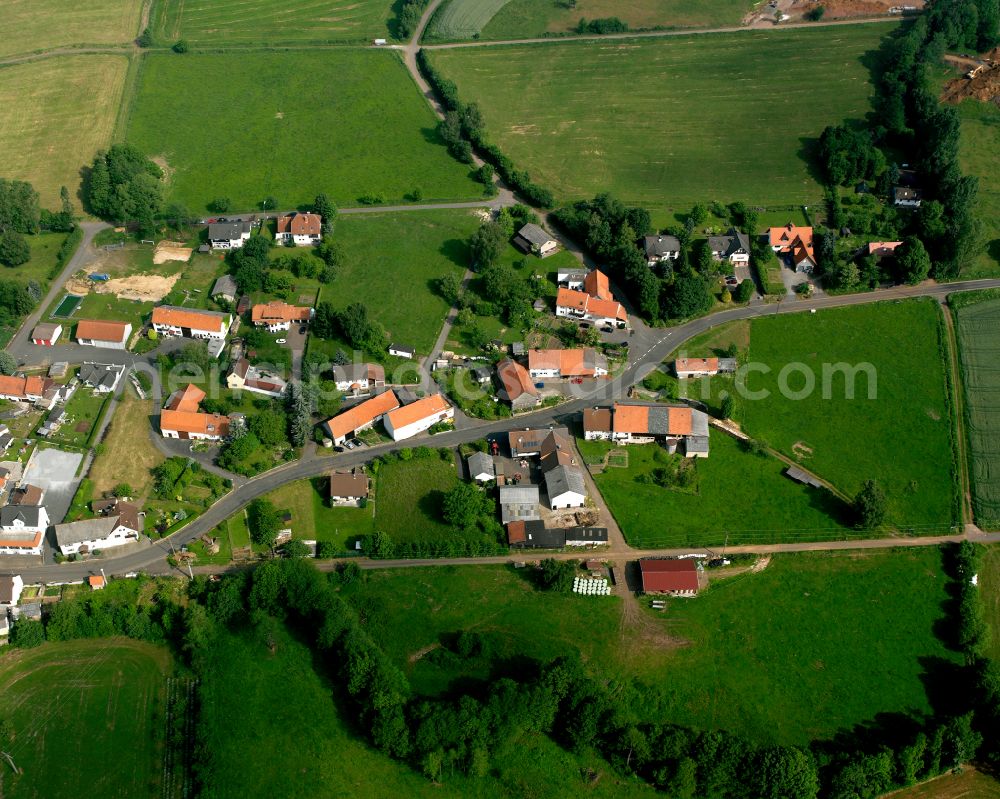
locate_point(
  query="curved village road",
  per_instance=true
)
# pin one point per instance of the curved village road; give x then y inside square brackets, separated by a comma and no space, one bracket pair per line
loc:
[649,348]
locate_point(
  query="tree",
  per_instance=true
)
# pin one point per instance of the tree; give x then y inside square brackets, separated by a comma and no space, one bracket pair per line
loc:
[299,414]
[249,264]
[687,297]
[449,287]
[295,549]
[264,522]
[19,209]
[728,406]
[220,205]
[145,38]
[8,365]
[557,575]
[327,210]
[784,772]
[124,185]
[744,291]
[912,260]
[464,505]
[123,490]
[484,175]
[236,450]
[180,46]
[14,249]
[269,426]
[870,505]
[486,245]
[26,633]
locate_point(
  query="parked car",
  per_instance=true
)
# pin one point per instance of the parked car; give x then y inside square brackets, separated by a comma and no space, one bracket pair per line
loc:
[578,380]
[302,330]
[539,385]
[349,444]
[280,340]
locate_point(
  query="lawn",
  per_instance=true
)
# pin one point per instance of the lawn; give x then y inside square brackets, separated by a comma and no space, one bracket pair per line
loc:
[409,496]
[979,155]
[93,22]
[289,125]
[72,705]
[314,519]
[235,22]
[127,454]
[902,437]
[44,249]
[83,411]
[57,113]
[675,121]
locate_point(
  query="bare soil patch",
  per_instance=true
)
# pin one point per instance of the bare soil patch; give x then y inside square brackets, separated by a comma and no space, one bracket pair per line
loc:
[141,287]
[802,450]
[171,251]
[984,86]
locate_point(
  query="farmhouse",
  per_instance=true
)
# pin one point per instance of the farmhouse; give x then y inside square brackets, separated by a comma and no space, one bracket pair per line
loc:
[516,386]
[677,577]
[11,586]
[359,379]
[348,489]
[169,320]
[643,423]
[482,469]
[104,532]
[277,316]
[22,529]
[97,333]
[518,503]
[360,417]
[46,334]
[103,378]
[580,362]
[402,351]
[228,235]
[795,242]
[300,229]
[418,416]
[905,197]
[225,288]
[733,247]
[703,367]
[661,248]
[34,389]
[533,239]
[245,377]
[182,419]
[533,534]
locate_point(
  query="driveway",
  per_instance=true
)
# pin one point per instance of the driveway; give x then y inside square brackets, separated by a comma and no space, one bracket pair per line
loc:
[55,471]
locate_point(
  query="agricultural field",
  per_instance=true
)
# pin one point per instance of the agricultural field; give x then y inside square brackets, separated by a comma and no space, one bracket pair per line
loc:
[313,518]
[969,784]
[979,155]
[902,437]
[348,123]
[115,688]
[979,350]
[408,498]
[88,22]
[127,454]
[671,122]
[238,22]
[831,657]
[730,481]
[990,581]
[57,113]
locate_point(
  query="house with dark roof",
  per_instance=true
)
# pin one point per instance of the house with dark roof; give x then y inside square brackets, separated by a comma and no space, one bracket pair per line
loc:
[677,577]
[660,248]
[348,488]
[565,487]
[402,351]
[518,503]
[905,197]
[229,235]
[11,586]
[27,494]
[22,529]
[482,469]
[533,239]
[733,247]
[121,527]
[533,534]
[101,377]
[225,288]
[586,536]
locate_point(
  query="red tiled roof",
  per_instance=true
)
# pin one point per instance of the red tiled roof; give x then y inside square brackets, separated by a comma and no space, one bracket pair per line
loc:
[14,386]
[696,365]
[430,405]
[788,236]
[300,224]
[515,378]
[274,312]
[180,317]
[596,285]
[193,422]
[98,330]
[570,363]
[597,420]
[362,414]
[882,247]
[669,575]
[515,533]
[186,400]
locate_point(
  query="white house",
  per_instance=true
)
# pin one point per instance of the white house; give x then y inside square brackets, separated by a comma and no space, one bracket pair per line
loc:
[565,487]
[170,320]
[105,532]
[277,316]
[482,469]
[245,377]
[594,303]
[703,367]
[98,333]
[571,278]
[46,334]
[566,364]
[661,248]
[416,417]
[301,230]
[359,379]
[228,235]
[11,586]
[103,378]
[733,247]
[22,529]
[348,489]
[402,351]
[360,417]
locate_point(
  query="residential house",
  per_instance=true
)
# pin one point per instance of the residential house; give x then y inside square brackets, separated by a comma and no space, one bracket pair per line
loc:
[6,439]
[105,532]
[482,375]
[533,239]
[482,468]
[27,495]
[644,423]
[530,443]
[46,334]
[38,390]
[103,378]
[566,364]
[571,278]
[703,367]
[22,529]
[359,379]
[180,418]
[677,577]
[402,351]
[796,244]
[533,534]
[594,304]
[408,421]
[11,586]
[170,320]
[243,376]
[565,487]
[733,246]
[301,230]
[516,386]
[883,249]
[586,536]
[360,417]
[225,289]
[229,235]
[905,197]
[518,503]
[277,316]
[661,248]
[98,333]
[597,424]
[348,489]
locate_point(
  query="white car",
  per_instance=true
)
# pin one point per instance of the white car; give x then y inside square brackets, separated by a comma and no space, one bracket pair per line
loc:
[280,341]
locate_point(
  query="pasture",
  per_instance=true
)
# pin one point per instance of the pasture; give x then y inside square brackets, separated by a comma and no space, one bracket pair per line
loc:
[812,644]
[979,155]
[740,497]
[901,437]
[79,707]
[979,351]
[990,581]
[290,125]
[676,121]
[239,22]
[31,27]
[56,114]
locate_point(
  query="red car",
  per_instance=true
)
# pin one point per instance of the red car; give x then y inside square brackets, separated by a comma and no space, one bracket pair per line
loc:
[578,380]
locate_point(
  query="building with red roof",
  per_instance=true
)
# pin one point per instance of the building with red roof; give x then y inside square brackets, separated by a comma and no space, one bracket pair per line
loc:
[677,577]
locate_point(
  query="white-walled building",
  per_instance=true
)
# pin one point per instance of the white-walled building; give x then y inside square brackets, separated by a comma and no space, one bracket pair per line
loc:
[302,230]
[418,416]
[228,235]
[98,333]
[170,320]
[22,529]
[82,537]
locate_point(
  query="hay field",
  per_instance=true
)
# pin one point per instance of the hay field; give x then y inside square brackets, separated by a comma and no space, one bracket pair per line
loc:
[44,24]
[676,121]
[54,115]
[229,22]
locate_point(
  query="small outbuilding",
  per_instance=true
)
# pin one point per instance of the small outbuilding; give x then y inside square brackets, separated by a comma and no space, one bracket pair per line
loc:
[482,469]
[533,239]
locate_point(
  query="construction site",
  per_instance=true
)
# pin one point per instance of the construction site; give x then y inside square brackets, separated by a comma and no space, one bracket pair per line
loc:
[979,79]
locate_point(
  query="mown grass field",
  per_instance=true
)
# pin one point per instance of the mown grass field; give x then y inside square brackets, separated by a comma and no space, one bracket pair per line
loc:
[128,454]
[54,115]
[979,350]
[408,501]
[289,125]
[902,437]
[30,23]
[989,579]
[85,713]
[813,644]
[229,22]
[742,498]
[979,155]
[314,519]
[676,121]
